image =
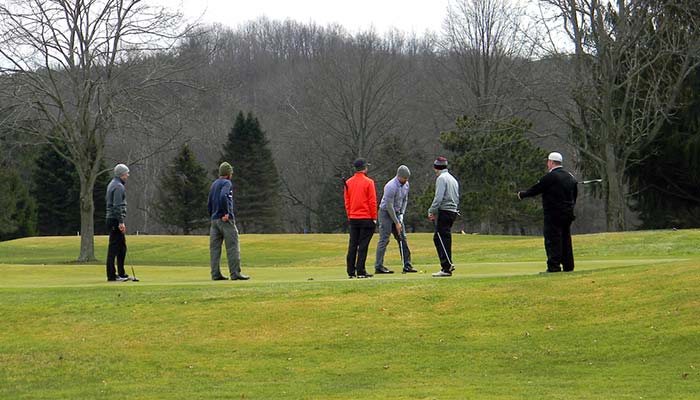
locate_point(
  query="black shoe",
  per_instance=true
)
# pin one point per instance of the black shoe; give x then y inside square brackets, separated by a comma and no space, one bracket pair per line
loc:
[383,270]
[240,277]
[220,278]
[364,276]
[409,270]
[548,272]
[351,276]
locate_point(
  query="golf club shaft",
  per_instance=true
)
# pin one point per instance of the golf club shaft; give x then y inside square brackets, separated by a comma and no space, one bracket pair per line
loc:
[444,249]
[403,263]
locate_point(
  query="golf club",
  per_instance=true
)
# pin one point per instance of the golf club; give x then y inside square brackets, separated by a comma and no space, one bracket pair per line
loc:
[444,249]
[400,240]
[590,181]
[133,275]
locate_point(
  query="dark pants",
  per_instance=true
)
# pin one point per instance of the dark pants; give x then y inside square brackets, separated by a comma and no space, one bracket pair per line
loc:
[361,232]
[117,249]
[443,238]
[557,243]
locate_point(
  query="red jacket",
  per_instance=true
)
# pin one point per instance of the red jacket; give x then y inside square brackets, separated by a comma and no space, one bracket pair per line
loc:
[360,197]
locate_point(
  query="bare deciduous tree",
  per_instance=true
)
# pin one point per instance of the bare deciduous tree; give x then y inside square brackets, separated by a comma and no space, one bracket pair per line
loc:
[353,93]
[481,55]
[76,72]
[629,64]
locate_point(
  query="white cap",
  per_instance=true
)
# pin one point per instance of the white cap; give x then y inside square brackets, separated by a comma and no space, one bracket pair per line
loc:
[554,156]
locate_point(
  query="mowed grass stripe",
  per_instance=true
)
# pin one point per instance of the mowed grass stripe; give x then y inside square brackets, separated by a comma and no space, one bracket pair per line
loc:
[330,250]
[32,276]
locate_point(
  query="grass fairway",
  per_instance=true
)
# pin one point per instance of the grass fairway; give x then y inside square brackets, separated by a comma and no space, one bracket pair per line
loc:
[626,325]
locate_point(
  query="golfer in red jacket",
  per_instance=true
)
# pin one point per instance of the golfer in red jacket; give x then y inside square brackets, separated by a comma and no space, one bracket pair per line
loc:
[361,208]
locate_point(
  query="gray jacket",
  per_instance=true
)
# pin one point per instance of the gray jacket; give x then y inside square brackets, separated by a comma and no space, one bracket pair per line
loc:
[116,200]
[446,193]
[395,199]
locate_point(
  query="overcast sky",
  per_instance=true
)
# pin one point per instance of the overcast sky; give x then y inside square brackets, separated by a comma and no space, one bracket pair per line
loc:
[407,15]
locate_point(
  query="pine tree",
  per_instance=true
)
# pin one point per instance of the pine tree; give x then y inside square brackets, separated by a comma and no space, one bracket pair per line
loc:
[492,161]
[18,216]
[255,179]
[182,196]
[56,189]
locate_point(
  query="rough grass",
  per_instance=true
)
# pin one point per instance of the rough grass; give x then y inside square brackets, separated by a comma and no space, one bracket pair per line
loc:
[625,326]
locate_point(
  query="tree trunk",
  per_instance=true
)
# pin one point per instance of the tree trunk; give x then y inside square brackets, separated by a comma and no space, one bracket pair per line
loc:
[87,222]
[615,204]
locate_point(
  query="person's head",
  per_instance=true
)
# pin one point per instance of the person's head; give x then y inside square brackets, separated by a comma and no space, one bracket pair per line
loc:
[554,159]
[360,165]
[440,164]
[403,173]
[121,171]
[225,170]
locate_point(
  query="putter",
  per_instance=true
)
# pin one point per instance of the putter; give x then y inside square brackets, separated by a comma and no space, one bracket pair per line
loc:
[445,250]
[133,275]
[452,267]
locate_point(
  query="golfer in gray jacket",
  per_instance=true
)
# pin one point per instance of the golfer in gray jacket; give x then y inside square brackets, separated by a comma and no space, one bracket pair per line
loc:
[391,211]
[443,211]
[115,199]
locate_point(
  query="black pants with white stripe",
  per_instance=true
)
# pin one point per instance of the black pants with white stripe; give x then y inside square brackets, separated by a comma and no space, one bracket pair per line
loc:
[443,238]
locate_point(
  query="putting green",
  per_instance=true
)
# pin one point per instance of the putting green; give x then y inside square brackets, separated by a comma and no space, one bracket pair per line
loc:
[38,276]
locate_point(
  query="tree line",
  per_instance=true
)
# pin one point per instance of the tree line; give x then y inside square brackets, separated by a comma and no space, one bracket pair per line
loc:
[611,84]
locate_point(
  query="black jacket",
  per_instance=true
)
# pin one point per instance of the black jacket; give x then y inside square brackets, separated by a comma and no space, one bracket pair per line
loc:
[559,190]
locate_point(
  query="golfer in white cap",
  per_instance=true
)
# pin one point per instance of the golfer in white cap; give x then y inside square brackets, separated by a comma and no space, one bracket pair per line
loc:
[559,190]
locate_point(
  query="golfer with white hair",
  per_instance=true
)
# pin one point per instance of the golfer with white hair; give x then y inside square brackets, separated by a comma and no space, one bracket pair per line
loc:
[116,215]
[559,189]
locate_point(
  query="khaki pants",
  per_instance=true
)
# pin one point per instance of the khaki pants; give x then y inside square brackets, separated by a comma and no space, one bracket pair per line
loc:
[224,231]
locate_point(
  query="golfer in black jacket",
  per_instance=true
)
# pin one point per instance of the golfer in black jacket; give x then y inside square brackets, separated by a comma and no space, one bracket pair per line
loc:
[559,190]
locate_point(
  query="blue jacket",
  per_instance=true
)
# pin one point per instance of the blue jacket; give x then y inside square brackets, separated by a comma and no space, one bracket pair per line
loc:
[220,199]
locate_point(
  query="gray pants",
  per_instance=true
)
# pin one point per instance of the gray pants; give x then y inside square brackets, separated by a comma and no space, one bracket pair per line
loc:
[219,232]
[387,228]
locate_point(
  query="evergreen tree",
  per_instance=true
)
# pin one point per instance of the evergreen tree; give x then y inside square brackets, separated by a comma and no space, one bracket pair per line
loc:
[255,179]
[18,216]
[56,189]
[666,179]
[492,160]
[182,196]
[331,216]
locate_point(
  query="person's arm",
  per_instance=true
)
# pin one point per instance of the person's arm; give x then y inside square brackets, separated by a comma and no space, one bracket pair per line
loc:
[346,196]
[538,187]
[440,186]
[119,203]
[372,200]
[389,199]
[226,200]
[404,202]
